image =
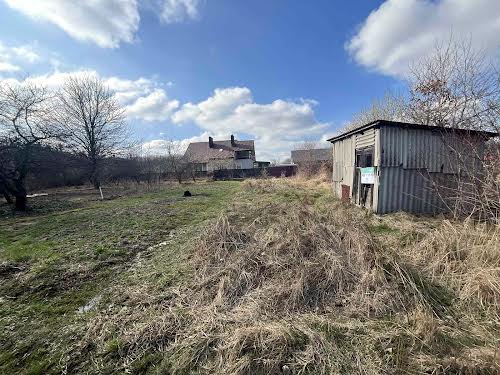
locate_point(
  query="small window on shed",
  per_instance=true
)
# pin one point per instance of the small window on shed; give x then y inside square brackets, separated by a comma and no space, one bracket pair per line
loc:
[364,157]
[369,160]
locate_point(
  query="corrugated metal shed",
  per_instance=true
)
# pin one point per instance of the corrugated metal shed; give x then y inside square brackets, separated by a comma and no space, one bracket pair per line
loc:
[432,150]
[407,158]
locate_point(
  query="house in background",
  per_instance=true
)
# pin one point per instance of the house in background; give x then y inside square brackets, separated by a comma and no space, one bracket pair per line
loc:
[216,155]
[391,166]
[312,160]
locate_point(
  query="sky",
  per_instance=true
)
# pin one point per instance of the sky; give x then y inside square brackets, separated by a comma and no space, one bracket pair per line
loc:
[278,71]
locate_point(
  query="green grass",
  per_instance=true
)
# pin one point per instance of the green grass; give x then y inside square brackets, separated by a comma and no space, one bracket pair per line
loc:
[384,229]
[55,261]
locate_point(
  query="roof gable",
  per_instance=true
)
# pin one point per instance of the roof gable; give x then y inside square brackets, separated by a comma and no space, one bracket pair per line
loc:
[201,152]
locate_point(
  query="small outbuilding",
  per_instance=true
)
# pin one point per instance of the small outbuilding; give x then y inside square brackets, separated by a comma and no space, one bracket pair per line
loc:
[312,160]
[389,166]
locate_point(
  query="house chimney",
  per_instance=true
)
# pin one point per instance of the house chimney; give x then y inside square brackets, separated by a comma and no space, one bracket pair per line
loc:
[232,141]
[210,142]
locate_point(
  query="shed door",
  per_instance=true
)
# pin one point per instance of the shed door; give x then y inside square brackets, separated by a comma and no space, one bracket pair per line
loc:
[363,192]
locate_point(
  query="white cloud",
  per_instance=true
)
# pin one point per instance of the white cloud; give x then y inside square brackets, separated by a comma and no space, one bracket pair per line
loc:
[8,67]
[154,107]
[276,126]
[160,146]
[26,53]
[104,22]
[400,31]
[12,58]
[179,10]
[56,79]
[143,98]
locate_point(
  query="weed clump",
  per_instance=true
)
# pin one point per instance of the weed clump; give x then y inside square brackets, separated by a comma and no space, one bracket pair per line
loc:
[258,286]
[290,259]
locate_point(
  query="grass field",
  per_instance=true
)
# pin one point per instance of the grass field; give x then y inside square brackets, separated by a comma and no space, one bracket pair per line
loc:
[254,277]
[55,262]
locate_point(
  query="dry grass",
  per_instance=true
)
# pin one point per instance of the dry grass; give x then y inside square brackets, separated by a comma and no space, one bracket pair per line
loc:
[466,257]
[284,283]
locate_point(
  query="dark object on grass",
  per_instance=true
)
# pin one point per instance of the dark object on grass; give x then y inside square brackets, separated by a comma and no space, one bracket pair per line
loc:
[187,193]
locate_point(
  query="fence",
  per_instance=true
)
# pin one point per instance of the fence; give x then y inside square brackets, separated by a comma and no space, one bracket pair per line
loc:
[275,171]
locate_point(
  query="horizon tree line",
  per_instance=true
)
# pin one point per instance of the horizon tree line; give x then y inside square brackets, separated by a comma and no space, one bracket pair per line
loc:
[80,126]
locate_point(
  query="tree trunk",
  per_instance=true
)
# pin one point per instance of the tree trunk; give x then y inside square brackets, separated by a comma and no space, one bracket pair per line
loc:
[94,175]
[21,195]
[21,202]
[7,197]
[95,183]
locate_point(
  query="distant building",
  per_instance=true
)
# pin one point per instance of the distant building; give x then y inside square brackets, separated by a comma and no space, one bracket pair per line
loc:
[312,160]
[261,164]
[391,166]
[227,154]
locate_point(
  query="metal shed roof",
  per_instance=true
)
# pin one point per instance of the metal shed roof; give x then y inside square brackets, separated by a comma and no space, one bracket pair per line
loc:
[378,123]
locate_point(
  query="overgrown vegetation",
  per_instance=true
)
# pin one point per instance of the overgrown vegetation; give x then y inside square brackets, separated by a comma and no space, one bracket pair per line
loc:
[267,276]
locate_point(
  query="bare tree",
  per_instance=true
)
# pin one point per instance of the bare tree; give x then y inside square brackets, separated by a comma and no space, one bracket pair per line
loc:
[26,123]
[177,164]
[391,106]
[94,121]
[456,86]
[310,159]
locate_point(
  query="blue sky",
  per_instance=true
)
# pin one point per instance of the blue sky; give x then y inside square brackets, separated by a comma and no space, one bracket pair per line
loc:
[278,71]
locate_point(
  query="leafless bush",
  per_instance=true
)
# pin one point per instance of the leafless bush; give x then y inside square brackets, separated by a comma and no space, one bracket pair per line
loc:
[474,187]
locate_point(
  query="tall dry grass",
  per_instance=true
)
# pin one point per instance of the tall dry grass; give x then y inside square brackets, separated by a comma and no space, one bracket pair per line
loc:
[465,256]
[292,284]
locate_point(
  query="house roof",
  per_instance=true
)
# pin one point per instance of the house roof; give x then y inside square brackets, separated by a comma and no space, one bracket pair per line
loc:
[378,123]
[318,154]
[200,151]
